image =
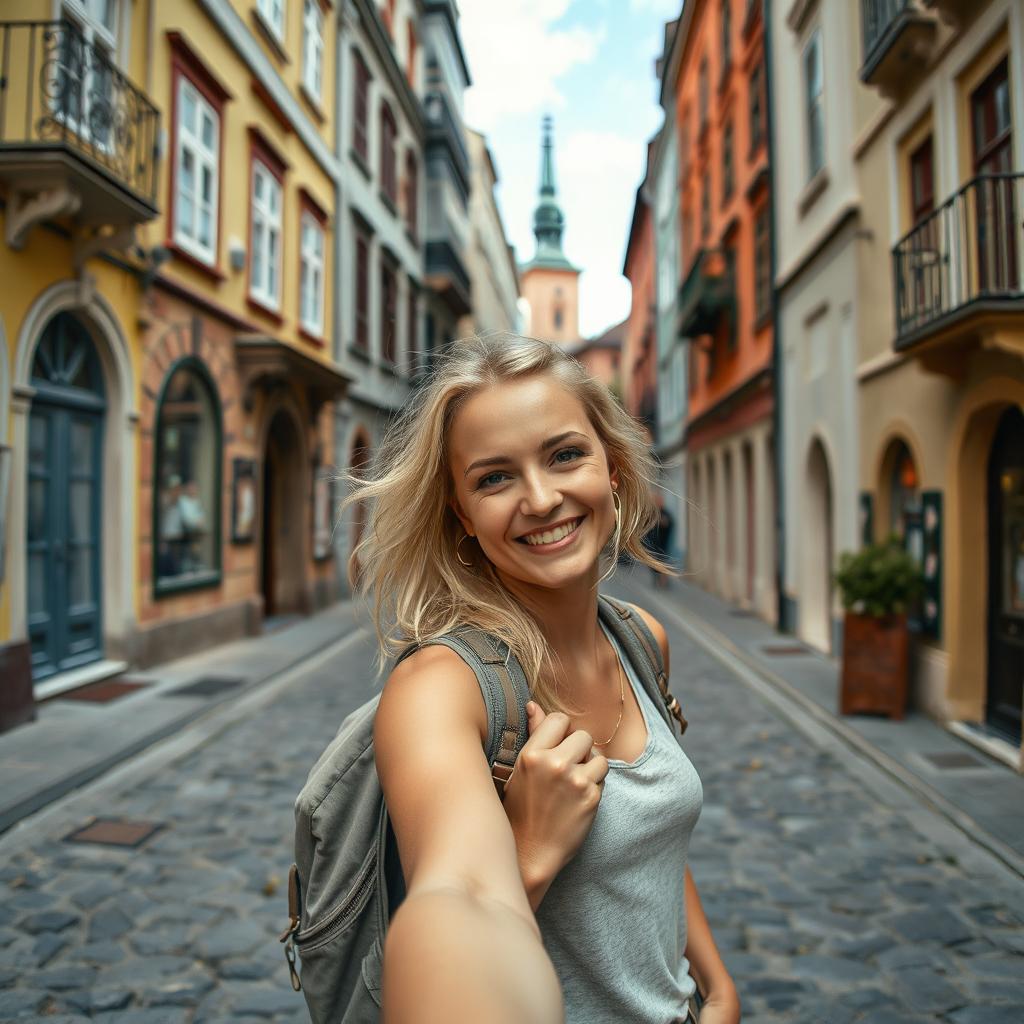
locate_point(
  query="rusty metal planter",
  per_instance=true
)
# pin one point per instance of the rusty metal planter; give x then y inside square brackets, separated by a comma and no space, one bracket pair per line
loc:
[876,664]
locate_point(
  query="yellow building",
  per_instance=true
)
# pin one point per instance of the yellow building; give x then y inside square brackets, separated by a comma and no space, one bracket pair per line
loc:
[167,176]
[941,341]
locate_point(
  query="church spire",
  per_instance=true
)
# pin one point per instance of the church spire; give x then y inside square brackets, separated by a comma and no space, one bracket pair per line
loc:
[548,219]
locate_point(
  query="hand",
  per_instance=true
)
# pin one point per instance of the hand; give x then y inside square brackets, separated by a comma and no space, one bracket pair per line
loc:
[723,1009]
[552,797]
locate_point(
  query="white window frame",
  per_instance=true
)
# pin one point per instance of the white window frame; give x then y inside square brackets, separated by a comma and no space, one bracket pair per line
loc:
[814,103]
[313,48]
[312,247]
[99,37]
[273,13]
[205,158]
[265,273]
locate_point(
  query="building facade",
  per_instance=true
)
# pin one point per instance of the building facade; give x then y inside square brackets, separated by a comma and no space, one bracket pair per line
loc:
[168,372]
[550,283]
[490,260]
[447,230]
[639,348]
[602,356]
[819,230]
[940,340]
[379,148]
[724,307]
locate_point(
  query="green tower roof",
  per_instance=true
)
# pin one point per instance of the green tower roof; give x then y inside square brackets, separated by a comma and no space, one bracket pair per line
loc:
[548,219]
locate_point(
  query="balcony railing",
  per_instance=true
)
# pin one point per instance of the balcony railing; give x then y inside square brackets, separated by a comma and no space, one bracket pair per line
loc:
[898,40]
[706,294]
[61,94]
[967,255]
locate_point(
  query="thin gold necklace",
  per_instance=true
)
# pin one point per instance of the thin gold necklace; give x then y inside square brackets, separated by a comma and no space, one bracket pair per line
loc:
[622,701]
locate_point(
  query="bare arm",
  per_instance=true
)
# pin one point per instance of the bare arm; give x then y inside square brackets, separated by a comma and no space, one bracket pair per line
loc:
[721,1001]
[465,901]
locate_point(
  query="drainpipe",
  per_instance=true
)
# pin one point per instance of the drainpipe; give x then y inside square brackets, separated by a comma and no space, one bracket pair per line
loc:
[777,396]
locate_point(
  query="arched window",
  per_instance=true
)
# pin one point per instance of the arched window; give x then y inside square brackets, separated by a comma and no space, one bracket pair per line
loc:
[187,481]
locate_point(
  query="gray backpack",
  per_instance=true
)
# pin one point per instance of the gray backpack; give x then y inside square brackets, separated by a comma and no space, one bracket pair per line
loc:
[346,881]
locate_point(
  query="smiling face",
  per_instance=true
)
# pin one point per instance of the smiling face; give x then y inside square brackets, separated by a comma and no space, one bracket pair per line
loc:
[532,482]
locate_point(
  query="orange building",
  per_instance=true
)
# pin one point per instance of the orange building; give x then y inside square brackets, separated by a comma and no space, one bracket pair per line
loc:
[639,351]
[549,282]
[717,74]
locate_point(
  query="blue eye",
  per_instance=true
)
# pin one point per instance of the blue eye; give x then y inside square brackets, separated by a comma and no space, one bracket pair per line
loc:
[489,480]
[574,453]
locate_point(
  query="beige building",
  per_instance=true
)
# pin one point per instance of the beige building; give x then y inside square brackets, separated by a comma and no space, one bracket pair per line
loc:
[940,332]
[493,275]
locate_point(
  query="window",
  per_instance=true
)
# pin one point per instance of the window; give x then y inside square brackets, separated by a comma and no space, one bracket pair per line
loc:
[762,265]
[311,275]
[726,37]
[388,309]
[413,320]
[922,181]
[265,243]
[412,186]
[388,174]
[702,85]
[727,164]
[814,105]
[196,173]
[272,12]
[410,61]
[313,48]
[684,146]
[705,208]
[756,107]
[362,290]
[361,108]
[81,80]
[559,318]
[186,505]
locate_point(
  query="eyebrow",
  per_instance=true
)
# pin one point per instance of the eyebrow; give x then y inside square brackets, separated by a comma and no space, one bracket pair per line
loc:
[498,460]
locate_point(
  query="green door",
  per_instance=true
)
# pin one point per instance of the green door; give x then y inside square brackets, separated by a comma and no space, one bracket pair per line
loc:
[64,500]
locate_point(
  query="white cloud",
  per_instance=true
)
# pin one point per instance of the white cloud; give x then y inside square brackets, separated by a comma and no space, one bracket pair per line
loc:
[598,173]
[517,56]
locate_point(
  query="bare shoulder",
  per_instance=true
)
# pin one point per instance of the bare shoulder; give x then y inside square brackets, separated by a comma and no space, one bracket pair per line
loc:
[657,629]
[431,690]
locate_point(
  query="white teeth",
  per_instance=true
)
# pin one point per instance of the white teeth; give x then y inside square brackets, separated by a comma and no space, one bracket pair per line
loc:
[550,536]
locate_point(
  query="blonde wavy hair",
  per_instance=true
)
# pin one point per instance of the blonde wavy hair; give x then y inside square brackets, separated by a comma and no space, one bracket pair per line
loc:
[407,563]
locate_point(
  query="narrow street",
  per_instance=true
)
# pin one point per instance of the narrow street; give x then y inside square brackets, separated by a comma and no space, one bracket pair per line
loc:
[835,896]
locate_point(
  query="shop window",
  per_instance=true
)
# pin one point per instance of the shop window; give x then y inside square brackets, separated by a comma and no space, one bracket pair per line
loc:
[187,481]
[905,499]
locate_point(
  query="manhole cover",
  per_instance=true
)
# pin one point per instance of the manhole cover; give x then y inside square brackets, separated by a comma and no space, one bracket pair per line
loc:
[207,686]
[784,650]
[954,759]
[105,692]
[107,832]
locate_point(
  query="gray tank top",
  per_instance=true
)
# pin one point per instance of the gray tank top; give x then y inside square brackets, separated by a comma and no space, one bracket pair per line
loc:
[613,921]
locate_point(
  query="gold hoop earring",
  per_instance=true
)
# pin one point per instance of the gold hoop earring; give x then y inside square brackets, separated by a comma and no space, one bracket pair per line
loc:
[458,554]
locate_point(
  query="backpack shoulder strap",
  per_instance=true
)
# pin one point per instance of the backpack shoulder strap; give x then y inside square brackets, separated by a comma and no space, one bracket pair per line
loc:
[644,652]
[505,692]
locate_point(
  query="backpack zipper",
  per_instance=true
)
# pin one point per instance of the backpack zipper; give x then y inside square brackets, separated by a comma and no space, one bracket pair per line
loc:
[327,928]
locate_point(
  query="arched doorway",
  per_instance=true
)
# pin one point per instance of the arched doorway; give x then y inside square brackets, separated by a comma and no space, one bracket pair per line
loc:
[1006,576]
[64,490]
[816,552]
[283,562]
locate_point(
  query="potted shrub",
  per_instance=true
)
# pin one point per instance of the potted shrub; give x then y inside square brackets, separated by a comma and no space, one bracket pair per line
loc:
[878,584]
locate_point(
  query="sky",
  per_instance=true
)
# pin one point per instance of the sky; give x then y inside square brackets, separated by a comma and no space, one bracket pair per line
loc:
[590,64]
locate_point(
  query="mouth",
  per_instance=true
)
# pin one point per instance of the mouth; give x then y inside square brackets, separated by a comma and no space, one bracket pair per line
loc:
[555,536]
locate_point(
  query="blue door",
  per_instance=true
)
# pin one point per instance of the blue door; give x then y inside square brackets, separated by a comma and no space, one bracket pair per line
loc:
[64,500]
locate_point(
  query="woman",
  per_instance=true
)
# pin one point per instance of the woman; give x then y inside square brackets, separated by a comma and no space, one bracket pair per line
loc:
[500,494]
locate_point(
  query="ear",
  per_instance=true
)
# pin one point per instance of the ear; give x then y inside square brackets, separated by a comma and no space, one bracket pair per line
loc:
[461,516]
[613,476]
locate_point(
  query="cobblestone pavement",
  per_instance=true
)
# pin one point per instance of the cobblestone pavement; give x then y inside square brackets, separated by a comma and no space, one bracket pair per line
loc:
[834,898]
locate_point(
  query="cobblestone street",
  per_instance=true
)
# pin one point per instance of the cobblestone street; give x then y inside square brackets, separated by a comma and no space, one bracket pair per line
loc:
[835,896]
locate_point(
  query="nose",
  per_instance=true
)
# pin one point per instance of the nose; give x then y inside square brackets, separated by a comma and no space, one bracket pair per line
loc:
[540,496]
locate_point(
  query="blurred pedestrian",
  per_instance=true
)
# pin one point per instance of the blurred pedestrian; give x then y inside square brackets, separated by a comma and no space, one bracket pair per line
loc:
[503,496]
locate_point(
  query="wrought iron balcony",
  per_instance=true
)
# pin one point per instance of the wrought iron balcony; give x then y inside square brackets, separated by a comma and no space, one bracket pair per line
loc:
[76,137]
[962,265]
[899,38]
[707,293]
